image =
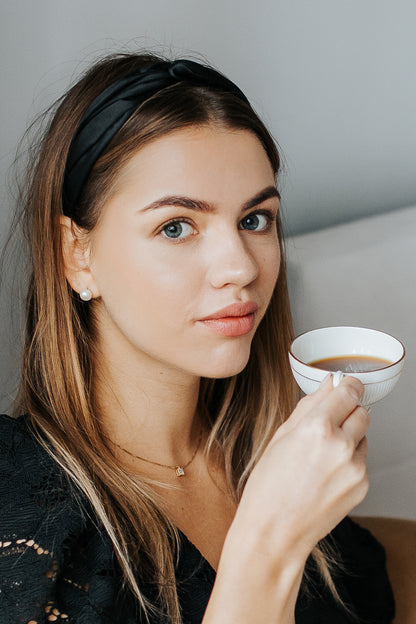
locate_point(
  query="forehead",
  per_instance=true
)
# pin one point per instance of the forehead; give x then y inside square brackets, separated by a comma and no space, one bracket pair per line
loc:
[201,160]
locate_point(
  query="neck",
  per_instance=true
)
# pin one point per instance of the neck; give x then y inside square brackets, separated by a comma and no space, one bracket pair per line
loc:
[148,409]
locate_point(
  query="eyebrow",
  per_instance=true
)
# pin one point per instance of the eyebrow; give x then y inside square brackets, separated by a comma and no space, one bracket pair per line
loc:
[203,206]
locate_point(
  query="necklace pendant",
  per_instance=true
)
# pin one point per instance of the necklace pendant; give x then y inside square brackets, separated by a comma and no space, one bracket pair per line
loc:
[180,472]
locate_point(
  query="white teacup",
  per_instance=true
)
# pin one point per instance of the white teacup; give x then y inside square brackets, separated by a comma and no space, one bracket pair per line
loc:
[332,342]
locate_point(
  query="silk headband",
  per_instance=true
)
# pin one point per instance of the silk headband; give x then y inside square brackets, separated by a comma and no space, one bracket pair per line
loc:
[111,109]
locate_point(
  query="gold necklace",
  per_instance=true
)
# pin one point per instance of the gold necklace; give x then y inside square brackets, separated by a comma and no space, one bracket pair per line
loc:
[179,470]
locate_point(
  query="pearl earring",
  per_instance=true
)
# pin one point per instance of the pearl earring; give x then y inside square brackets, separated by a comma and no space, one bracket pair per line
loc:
[85,294]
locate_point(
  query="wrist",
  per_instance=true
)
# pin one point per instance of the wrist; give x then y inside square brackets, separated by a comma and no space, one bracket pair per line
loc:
[272,539]
[272,553]
[256,581]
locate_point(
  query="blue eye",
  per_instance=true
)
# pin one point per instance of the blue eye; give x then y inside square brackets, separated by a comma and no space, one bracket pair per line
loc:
[256,222]
[177,230]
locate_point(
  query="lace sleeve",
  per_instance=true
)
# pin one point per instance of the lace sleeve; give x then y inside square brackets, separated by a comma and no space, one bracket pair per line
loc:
[33,522]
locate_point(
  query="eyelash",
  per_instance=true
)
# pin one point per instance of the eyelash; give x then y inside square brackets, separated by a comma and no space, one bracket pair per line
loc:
[270,216]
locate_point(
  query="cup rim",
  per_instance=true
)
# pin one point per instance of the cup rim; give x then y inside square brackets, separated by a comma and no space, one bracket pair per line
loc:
[348,327]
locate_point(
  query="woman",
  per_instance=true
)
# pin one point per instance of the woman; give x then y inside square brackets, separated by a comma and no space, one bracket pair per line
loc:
[158,469]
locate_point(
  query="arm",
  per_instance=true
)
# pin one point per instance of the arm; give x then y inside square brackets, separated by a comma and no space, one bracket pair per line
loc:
[309,478]
[398,538]
[27,582]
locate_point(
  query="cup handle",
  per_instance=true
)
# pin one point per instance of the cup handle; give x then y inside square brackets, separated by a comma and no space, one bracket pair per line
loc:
[337,378]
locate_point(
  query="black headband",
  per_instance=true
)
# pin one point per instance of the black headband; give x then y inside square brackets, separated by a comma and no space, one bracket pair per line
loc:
[111,109]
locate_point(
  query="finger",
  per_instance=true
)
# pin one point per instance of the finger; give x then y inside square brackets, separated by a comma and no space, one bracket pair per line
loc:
[356,425]
[361,451]
[310,402]
[341,401]
[360,465]
[360,459]
[315,398]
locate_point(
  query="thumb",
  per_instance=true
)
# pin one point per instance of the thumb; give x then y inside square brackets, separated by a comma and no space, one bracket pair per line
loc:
[306,405]
[310,401]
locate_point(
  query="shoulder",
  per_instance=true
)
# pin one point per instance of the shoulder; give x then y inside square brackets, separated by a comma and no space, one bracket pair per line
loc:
[55,557]
[17,440]
[11,426]
[358,545]
[21,454]
[34,490]
[364,575]
[357,563]
[24,461]
[42,520]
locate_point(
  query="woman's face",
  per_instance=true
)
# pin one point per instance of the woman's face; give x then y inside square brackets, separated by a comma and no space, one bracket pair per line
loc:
[189,229]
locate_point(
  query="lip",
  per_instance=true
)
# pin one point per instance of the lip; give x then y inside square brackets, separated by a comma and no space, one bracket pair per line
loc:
[233,310]
[234,320]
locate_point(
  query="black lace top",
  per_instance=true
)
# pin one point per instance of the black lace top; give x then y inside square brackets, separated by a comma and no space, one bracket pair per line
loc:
[57,564]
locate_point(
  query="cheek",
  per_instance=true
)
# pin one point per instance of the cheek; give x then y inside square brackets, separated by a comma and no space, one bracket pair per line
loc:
[134,282]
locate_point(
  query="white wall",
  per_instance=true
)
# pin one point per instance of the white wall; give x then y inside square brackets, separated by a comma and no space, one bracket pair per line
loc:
[335,80]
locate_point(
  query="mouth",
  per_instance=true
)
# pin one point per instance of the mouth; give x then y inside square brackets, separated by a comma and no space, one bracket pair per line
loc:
[237,319]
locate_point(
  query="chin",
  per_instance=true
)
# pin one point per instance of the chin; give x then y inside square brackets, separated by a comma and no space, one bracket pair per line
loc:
[226,367]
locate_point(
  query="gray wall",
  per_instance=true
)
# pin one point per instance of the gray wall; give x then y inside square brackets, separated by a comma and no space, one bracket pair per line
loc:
[335,80]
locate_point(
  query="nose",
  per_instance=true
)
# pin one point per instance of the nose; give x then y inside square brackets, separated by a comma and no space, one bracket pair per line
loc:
[231,262]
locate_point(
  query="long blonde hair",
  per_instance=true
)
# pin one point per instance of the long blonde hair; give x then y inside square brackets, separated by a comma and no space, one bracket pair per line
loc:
[59,360]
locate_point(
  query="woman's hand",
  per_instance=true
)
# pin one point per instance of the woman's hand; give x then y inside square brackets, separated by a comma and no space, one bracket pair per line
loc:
[312,473]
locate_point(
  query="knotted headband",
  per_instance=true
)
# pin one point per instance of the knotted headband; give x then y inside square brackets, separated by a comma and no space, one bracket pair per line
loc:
[111,109]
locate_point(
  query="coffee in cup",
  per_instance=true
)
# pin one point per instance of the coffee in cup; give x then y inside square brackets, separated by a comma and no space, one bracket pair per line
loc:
[373,357]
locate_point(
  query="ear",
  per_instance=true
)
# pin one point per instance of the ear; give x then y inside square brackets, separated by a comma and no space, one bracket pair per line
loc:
[76,257]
